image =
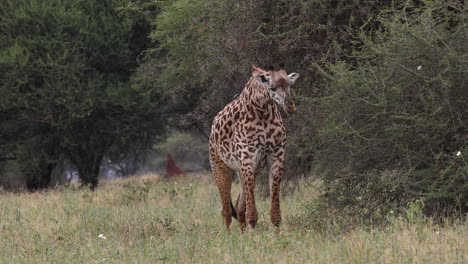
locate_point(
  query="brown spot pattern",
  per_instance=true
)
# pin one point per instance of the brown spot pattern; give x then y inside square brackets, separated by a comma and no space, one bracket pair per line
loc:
[246,136]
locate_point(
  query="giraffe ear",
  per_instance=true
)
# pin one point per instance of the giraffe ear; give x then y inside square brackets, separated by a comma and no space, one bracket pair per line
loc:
[293,77]
[281,66]
[254,69]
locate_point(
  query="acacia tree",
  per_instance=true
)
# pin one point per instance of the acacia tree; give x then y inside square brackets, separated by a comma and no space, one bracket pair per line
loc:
[66,85]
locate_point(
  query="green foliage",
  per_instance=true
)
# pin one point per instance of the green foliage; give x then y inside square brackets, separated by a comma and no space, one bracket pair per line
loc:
[65,80]
[397,118]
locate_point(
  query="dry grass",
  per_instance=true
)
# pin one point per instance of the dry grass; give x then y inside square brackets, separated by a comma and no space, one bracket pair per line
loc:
[149,220]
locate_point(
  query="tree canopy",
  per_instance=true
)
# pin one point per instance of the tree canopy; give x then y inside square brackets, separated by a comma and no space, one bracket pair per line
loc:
[66,84]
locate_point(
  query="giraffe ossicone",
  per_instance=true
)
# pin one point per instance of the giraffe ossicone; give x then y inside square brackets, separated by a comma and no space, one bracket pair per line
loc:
[247,136]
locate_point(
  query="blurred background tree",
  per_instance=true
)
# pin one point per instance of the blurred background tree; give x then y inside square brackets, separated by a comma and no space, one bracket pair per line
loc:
[66,85]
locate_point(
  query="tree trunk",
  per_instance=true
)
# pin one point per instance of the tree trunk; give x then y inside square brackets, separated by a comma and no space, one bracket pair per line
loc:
[88,167]
[40,178]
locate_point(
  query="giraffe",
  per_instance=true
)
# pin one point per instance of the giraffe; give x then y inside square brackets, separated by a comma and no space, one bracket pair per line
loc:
[248,135]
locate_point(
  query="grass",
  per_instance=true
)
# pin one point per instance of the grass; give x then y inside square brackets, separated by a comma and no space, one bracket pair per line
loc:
[149,220]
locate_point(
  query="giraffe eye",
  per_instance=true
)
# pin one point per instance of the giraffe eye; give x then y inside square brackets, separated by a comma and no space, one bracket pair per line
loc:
[273,89]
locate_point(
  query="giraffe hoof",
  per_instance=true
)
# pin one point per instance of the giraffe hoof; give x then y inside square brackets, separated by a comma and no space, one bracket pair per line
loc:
[252,223]
[276,222]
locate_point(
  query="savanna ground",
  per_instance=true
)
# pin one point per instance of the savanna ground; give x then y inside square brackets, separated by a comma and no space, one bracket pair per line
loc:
[150,220]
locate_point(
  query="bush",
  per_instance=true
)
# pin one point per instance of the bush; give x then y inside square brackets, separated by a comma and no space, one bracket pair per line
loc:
[396,126]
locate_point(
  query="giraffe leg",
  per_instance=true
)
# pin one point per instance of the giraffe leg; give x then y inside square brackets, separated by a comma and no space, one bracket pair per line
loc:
[276,173]
[248,182]
[223,177]
[240,208]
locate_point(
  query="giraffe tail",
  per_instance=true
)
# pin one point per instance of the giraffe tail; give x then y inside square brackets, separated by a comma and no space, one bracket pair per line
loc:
[233,209]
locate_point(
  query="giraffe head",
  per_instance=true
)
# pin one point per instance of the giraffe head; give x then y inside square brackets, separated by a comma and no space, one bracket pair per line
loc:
[278,85]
